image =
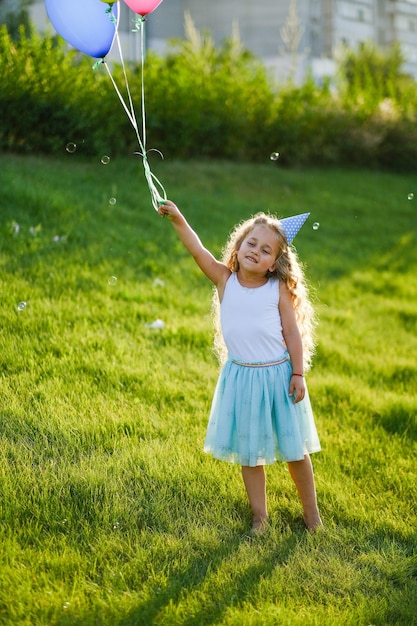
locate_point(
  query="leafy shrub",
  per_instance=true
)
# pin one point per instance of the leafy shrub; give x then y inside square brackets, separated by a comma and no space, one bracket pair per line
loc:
[208,101]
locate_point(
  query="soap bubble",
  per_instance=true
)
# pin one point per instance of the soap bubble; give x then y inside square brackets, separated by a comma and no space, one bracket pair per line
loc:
[105,159]
[274,156]
[112,281]
[71,147]
[156,324]
[21,306]
[410,196]
[112,201]
[316,226]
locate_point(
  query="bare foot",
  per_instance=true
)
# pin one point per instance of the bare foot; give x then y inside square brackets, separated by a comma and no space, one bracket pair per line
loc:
[260,525]
[313,522]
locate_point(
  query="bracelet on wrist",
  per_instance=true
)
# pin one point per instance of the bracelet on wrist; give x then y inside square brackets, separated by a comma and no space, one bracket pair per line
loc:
[294,374]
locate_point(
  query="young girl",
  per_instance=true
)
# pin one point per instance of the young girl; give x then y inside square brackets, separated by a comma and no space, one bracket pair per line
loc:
[261,410]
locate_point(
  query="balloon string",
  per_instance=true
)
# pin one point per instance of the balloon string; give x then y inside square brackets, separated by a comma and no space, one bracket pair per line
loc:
[132,108]
[158,196]
[142,55]
[150,177]
[128,113]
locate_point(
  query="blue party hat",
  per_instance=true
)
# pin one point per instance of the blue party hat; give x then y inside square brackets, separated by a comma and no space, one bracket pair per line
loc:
[292,225]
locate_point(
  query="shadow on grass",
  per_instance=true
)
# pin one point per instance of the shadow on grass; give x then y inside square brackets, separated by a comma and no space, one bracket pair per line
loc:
[399,419]
[216,599]
[393,564]
[208,586]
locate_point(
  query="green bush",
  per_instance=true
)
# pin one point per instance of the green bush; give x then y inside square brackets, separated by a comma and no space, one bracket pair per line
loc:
[207,101]
[51,96]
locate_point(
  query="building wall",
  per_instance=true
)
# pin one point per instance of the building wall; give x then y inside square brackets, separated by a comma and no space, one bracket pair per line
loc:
[5,7]
[324,25]
[403,22]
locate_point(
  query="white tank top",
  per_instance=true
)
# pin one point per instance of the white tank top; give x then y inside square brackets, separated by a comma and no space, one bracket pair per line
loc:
[251,323]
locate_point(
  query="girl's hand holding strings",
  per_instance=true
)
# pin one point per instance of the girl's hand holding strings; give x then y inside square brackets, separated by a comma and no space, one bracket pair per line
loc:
[169,209]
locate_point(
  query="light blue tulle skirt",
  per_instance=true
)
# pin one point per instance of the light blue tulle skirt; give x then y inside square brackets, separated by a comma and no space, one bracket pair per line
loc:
[253,420]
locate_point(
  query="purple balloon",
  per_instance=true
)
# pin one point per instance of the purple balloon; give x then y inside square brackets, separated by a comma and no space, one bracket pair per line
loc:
[84,24]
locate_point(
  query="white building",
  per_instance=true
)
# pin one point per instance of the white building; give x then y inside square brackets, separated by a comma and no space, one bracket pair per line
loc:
[289,35]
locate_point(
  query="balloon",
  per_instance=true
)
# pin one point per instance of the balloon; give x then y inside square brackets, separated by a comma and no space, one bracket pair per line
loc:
[84,24]
[142,7]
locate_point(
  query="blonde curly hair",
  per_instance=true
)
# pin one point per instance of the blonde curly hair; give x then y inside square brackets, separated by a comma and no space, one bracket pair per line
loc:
[288,268]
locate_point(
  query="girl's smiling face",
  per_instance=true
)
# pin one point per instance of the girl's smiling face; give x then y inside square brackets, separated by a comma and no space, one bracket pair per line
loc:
[258,251]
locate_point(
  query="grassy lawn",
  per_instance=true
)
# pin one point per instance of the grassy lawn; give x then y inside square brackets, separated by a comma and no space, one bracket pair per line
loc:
[111,514]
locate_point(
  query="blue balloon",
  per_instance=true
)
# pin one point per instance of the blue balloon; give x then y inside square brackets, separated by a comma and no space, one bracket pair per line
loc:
[84,24]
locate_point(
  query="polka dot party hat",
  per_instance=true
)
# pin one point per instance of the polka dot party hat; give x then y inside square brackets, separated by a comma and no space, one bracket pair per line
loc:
[292,225]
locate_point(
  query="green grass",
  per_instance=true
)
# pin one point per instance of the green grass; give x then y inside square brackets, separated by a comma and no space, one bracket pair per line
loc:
[110,512]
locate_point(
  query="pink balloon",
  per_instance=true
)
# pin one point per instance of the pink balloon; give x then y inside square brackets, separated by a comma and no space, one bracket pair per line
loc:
[142,7]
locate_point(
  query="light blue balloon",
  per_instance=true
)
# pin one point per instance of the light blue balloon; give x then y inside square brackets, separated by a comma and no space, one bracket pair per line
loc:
[84,24]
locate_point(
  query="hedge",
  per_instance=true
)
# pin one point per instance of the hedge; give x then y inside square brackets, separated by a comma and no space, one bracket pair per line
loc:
[203,101]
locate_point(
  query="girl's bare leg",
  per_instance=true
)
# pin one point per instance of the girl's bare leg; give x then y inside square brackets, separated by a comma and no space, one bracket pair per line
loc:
[303,477]
[255,483]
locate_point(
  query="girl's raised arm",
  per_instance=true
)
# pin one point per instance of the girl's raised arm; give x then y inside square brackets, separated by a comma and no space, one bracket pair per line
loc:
[216,271]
